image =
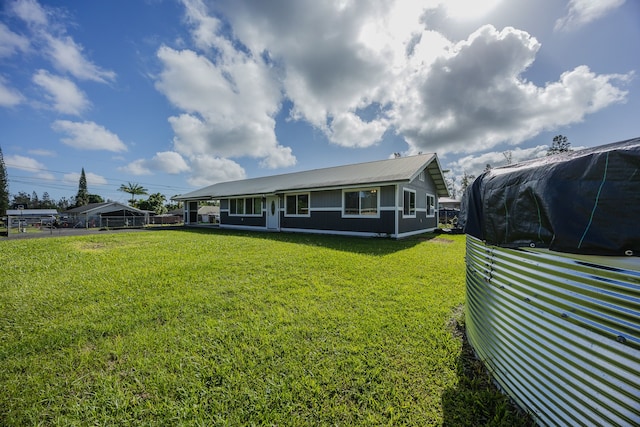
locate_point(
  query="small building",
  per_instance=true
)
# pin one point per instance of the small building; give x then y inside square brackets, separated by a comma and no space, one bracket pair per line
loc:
[20,218]
[388,198]
[108,214]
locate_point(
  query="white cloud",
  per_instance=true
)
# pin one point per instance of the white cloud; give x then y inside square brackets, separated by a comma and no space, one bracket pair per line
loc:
[9,97]
[43,153]
[48,27]
[30,11]
[92,178]
[67,56]
[355,72]
[230,104]
[208,170]
[348,130]
[582,12]
[474,97]
[66,97]
[11,42]
[23,163]
[88,136]
[167,161]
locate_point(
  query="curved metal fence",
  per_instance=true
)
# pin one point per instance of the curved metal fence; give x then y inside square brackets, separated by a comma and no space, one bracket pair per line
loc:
[560,333]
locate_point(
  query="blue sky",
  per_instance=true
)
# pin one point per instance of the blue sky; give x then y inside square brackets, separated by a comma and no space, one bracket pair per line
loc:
[176,95]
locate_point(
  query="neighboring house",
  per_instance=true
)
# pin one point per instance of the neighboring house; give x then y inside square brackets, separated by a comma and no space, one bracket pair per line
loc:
[449,210]
[449,203]
[209,214]
[394,198]
[24,217]
[108,214]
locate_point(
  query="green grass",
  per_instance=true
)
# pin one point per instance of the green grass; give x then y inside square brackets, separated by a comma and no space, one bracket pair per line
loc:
[220,328]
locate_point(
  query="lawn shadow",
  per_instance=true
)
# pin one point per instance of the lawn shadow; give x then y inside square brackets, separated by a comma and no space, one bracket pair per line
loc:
[375,246]
[476,400]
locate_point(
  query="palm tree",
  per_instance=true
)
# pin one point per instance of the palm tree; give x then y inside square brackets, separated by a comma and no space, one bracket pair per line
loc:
[133,189]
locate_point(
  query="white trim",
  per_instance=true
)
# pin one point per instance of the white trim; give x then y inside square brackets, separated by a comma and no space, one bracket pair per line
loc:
[415,203]
[435,205]
[245,207]
[413,233]
[336,232]
[297,215]
[352,190]
[243,227]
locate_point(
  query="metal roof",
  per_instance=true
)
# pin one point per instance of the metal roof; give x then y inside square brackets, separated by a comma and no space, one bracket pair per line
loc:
[377,172]
[31,212]
[102,207]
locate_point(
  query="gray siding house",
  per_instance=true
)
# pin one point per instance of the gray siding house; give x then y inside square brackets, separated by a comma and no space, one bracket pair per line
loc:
[388,198]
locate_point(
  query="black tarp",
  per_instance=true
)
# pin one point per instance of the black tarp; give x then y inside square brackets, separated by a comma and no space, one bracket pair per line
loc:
[585,202]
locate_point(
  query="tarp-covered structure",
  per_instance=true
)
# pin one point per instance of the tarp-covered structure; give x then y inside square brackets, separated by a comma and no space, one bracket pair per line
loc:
[584,202]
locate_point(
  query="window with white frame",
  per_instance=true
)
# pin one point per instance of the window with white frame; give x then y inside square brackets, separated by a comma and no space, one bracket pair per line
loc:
[360,202]
[409,204]
[297,204]
[421,176]
[247,206]
[431,205]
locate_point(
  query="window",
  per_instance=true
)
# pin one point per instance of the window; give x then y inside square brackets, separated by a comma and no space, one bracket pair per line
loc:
[409,206]
[297,204]
[421,176]
[431,205]
[245,206]
[360,202]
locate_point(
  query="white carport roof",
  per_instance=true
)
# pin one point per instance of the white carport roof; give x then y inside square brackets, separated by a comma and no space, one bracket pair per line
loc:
[379,172]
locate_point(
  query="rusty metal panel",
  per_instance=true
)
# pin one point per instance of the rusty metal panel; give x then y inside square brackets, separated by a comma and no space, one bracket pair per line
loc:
[560,333]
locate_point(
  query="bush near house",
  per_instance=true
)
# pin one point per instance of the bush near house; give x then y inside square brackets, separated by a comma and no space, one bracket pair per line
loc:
[220,328]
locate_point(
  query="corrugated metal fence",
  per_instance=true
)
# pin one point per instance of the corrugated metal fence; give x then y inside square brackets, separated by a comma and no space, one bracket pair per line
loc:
[560,334]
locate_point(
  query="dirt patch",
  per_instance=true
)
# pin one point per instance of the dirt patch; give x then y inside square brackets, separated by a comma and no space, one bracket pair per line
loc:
[441,240]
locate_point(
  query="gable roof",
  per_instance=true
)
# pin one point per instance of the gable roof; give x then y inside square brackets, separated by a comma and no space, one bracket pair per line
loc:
[32,212]
[104,207]
[401,169]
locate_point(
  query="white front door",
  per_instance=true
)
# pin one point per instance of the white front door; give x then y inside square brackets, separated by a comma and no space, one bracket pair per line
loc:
[273,213]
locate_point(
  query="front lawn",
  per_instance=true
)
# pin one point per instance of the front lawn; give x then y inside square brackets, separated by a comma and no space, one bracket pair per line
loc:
[221,328]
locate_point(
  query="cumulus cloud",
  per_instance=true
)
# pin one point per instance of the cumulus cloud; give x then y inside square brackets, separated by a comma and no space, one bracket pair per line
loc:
[65,96]
[355,73]
[209,170]
[167,161]
[9,97]
[88,136]
[475,97]
[582,12]
[229,98]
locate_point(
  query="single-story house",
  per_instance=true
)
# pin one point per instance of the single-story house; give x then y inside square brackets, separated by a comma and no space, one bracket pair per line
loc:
[107,214]
[209,214]
[393,198]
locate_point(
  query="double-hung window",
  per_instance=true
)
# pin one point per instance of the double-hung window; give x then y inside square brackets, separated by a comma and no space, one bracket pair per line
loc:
[245,206]
[297,204]
[409,205]
[431,205]
[361,202]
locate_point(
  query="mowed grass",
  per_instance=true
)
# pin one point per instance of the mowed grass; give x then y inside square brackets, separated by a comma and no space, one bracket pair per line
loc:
[223,328]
